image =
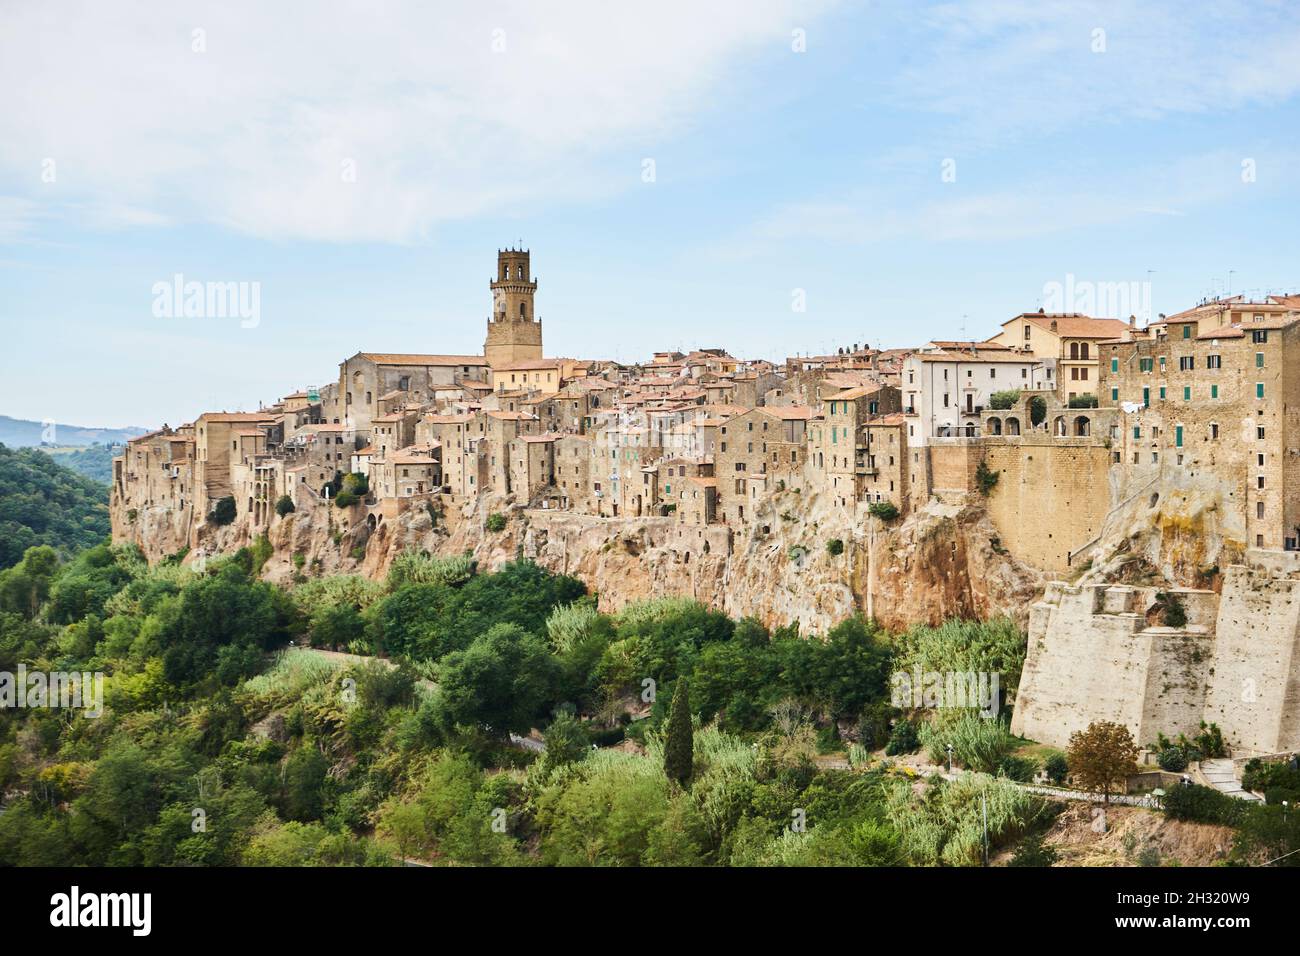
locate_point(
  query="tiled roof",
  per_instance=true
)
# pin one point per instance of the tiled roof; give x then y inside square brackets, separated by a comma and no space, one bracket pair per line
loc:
[408,358]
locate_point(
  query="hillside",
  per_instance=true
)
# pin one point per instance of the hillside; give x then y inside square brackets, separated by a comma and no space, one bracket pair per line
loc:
[95,461]
[24,433]
[42,502]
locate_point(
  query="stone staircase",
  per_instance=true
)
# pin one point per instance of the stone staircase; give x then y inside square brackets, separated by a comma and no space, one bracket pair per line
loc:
[1220,775]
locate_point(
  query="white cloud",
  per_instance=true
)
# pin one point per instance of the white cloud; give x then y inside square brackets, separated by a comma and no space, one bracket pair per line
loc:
[254,131]
[1019,66]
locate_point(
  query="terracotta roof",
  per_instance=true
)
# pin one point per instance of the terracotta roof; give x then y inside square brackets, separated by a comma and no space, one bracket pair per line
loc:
[860,391]
[408,358]
[531,365]
[788,412]
[231,417]
[1076,326]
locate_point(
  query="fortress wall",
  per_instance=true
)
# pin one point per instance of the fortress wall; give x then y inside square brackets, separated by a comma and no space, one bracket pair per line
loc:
[1083,665]
[952,465]
[1050,499]
[1092,656]
[1253,693]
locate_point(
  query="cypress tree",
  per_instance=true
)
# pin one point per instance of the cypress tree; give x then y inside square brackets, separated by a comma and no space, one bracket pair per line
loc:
[679,747]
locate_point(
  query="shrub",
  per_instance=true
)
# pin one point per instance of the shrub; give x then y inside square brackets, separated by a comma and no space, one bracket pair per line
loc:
[1033,852]
[1203,805]
[903,740]
[1037,410]
[978,743]
[345,499]
[1210,741]
[884,510]
[1019,769]
[834,547]
[284,506]
[1056,768]
[1086,400]
[1005,399]
[223,512]
[1172,759]
[1175,615]
[985,478]
[495,522]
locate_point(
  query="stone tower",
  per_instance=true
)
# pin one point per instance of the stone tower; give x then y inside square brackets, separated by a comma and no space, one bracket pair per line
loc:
[514,333]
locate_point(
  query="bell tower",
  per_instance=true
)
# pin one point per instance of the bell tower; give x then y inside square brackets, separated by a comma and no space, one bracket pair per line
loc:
[514,333]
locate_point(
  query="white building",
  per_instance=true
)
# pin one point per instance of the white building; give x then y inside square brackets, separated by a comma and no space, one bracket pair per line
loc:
[946,385]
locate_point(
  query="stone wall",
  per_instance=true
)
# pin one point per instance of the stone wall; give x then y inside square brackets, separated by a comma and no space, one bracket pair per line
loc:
[1051,497]
[1098,652]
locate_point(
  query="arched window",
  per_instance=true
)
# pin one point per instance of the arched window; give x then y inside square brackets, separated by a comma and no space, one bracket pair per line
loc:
[1082,426]
[1083,351]
[1074,350]
[995,426]
[1013,426]
[1058,427]
[523,311]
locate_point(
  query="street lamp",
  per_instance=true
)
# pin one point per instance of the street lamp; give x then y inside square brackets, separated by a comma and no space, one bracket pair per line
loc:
[949,749]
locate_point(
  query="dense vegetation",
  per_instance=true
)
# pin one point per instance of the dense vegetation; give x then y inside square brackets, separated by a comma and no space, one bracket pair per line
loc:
[94,461]
[41,502]
[222,742]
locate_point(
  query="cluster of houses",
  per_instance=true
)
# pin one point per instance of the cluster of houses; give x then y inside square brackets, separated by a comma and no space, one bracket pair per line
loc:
[704,437]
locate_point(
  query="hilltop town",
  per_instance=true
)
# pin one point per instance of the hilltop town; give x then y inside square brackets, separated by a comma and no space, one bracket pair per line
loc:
[1084,474]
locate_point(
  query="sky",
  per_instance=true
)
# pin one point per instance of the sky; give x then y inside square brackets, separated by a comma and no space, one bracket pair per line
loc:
[766,176]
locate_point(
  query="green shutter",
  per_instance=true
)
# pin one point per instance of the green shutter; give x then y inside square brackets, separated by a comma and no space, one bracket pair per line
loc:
[1187,393]
[1114,394]
[1259,389]
[1114,365]
[1214,391]
[1146,397]
[1259,360]
[1187,331]
[1178,436]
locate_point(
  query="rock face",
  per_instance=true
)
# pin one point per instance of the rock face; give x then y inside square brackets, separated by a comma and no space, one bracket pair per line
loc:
[942,561]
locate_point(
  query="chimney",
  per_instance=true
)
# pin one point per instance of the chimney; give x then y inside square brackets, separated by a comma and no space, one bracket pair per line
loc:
[1053,325]
[1132,321]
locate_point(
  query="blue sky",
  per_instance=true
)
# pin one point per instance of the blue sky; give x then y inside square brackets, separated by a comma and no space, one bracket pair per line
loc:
[1106,141]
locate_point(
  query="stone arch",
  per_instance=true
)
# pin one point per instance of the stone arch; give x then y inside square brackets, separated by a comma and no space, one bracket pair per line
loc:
[1013,426]
[1082,426]
[1058,426]
[995,426]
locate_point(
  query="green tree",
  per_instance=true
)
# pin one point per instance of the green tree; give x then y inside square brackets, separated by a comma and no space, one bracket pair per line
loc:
[223,511]
[284,506]
[501,682]
[1102,757]
[679,741]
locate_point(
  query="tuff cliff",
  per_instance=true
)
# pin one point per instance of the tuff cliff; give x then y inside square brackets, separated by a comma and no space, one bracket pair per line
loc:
[941,561]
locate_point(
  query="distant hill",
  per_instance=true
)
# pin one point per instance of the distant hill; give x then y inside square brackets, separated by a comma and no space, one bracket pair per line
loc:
[21,433]
[41,502]
[95,461]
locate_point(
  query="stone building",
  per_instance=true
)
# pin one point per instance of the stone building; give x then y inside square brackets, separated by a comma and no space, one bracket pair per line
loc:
[514,332]
[1216,402]
[1068,344]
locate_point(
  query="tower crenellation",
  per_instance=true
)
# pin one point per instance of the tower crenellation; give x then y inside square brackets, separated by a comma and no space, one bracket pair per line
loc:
[514,333]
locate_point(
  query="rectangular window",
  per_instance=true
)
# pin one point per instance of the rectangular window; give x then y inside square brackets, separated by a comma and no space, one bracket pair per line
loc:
[1114,394]
[1214,391]
[1178,436]
[1259,389]
[1214,431]
[1187,393]
[1259,360]
[1187,331]
[1162,393]
[1214,361]
[1137,431]
[1146,397]
[1259,336]
[1114,365]
[1259,432]
[1186,363]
